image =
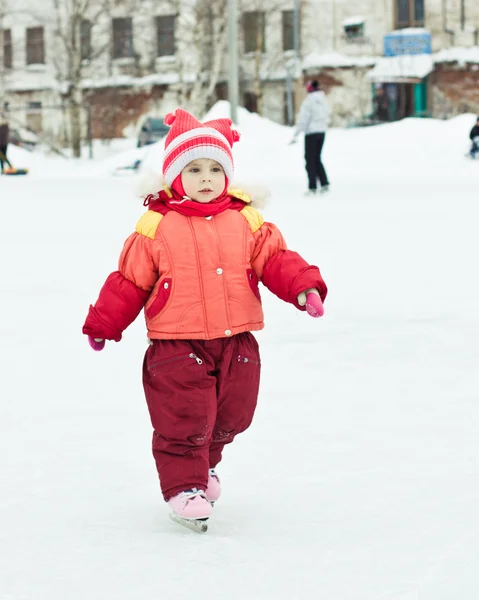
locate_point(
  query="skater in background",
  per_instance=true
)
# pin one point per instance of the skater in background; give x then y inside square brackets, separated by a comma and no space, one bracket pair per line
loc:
[312,120]
[194,263]
[4,134]
[474,137]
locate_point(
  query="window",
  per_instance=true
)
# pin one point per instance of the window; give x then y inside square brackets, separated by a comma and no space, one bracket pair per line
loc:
[419,12]
[253,28]
[7,48]
[288,30]
[85,39]
[165,35]
[35,46]
[354,28]
[123,38]
[409,13]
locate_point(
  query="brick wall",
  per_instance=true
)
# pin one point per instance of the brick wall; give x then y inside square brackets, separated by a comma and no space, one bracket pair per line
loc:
[455,90]
[115,109]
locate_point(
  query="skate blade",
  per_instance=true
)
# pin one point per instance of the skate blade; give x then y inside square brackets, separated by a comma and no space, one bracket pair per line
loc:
[197,525]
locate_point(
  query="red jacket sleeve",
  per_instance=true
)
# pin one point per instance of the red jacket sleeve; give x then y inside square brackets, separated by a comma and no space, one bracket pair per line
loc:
[282,271]
[118,305]
[125,291]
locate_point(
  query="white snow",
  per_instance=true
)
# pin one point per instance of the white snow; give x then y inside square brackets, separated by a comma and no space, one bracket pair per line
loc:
[351,21]
[395,68]
[409,31]
[336,60]
[358,479]
[458,54]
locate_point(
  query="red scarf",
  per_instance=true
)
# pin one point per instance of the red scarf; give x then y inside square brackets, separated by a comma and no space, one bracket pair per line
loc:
[180,203]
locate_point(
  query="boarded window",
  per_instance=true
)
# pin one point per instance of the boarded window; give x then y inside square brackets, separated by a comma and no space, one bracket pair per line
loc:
[34,117]
[165,35]
[288,29]
[250,101]
[85,39]
[123,38]
[7,48]
[254,31]
[35,46]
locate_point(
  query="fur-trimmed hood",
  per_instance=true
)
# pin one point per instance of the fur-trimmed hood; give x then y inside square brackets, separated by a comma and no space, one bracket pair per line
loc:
[254,195]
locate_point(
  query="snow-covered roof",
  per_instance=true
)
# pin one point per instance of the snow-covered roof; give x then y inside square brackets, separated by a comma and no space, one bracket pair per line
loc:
[397,68]
[336,60]
[409,31]
[352,21]
[129,81]
[457,54]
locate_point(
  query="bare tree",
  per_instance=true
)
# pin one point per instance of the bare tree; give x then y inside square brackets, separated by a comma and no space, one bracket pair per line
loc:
[265,60]
[201,48]
[74,20]
[210,46]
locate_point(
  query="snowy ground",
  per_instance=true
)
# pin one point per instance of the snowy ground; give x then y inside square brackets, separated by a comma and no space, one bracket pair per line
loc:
[359,477]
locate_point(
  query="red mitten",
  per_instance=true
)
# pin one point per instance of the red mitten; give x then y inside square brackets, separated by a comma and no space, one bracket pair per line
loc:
[96,343]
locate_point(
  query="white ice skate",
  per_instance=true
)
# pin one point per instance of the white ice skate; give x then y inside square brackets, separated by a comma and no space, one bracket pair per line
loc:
[191,509]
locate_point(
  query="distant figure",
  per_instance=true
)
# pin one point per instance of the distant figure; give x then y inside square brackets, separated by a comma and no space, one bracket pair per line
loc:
[313,121]
[4,133]
[381,105]
[474,135]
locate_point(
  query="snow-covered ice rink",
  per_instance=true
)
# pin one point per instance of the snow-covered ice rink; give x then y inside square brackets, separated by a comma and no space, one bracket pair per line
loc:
[359,478]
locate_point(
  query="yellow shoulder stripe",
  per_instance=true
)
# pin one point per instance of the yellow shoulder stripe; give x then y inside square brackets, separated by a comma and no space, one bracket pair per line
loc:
[254,218]
[148,224]
[237,193]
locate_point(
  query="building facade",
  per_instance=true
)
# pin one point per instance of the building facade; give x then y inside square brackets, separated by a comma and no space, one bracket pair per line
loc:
[145,57]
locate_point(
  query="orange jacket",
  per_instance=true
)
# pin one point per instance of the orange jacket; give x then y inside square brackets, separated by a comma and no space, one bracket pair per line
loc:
[197,277]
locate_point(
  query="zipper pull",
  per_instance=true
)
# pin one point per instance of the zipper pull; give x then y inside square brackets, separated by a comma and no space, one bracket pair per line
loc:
[242,358]
[197,358]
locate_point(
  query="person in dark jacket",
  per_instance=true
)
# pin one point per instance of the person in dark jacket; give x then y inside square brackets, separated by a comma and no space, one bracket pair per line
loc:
[474,135]
[4,133]
[381,105]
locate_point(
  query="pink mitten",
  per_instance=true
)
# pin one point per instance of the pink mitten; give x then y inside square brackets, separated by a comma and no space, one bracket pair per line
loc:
[314,306]
[96,343]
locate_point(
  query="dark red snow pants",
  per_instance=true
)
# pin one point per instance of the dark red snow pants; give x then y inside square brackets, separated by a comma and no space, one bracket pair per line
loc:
[200,394]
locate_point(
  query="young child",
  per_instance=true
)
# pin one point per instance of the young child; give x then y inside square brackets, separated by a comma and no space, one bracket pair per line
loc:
[194,263]
[474,137]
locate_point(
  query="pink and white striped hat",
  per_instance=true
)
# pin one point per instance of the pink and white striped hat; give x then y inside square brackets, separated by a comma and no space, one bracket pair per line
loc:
[188,139]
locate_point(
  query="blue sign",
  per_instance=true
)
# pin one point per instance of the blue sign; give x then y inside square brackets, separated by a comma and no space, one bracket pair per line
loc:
[407,42]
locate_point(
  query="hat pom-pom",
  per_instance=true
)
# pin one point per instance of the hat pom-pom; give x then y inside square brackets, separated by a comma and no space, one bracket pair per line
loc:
[236,135]
[149,182]
[169,119]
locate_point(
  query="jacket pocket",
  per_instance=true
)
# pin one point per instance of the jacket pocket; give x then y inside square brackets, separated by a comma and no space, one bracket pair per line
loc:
[161,299]
[253,283]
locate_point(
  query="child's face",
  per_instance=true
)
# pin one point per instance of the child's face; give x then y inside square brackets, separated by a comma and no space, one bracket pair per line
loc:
[203,179]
